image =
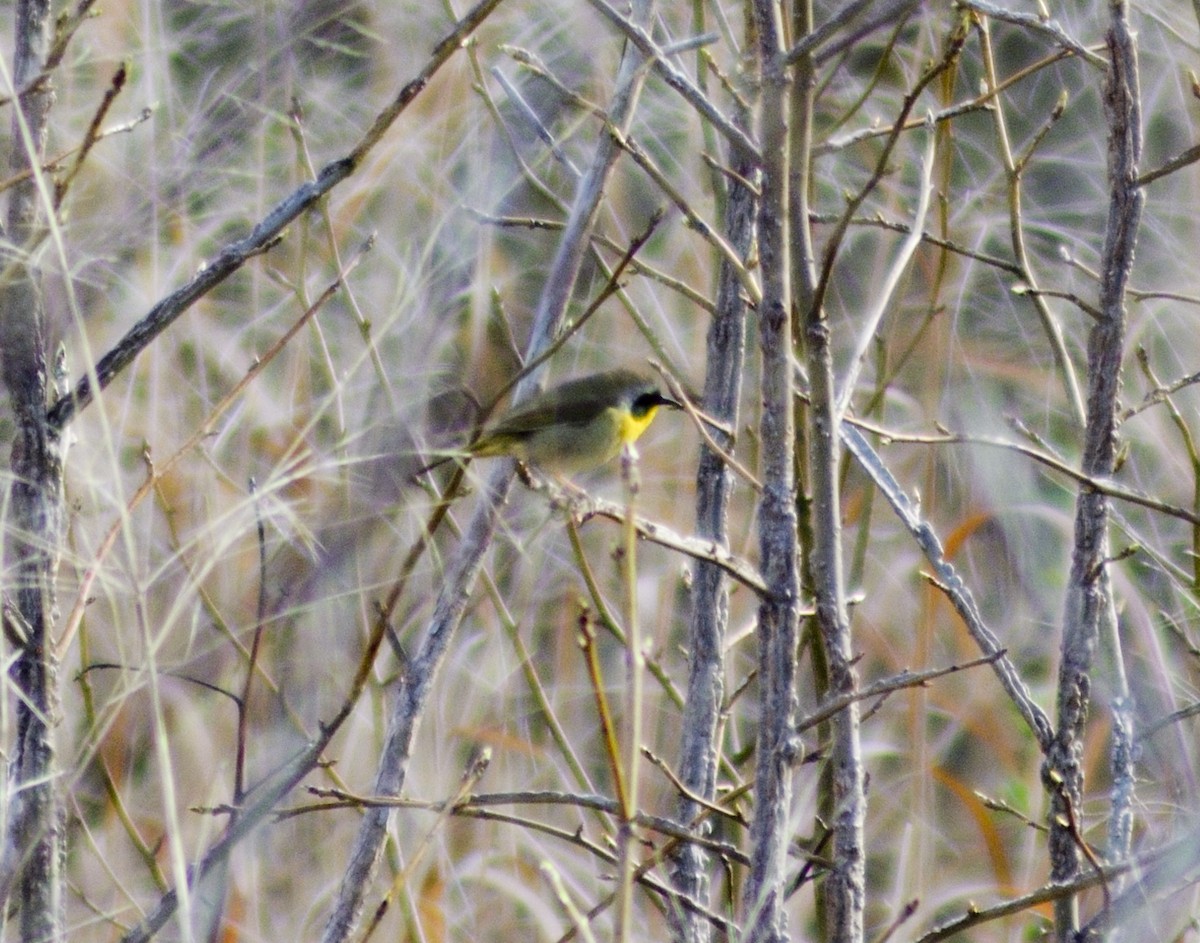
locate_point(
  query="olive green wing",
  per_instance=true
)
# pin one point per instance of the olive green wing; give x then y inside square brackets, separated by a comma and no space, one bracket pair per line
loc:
[575,402]
[560,405]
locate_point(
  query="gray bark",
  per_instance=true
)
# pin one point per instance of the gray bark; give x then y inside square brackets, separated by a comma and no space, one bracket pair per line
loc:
[1089,615]
[710,593]
[31,865]
[778,616]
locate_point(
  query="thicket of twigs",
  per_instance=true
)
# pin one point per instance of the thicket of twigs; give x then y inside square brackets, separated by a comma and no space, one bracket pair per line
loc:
[897,640]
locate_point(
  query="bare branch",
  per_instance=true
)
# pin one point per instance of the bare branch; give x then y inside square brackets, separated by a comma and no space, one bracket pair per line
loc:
[705,550]
[1090,618]
[949,581]
[677,80]
[264,235]
[1036,24]
[33,855]
[778,616]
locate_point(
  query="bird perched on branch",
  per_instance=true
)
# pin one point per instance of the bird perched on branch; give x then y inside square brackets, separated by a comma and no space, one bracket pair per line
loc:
[575,426]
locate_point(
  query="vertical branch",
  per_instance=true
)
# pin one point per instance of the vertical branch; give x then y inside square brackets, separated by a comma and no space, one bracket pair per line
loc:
[710,594]
[778,614]
[805,292]
[463,569]
[844,891]
[33,844]
[1124,112]
[635,664]
[1089,617]
[1013,170]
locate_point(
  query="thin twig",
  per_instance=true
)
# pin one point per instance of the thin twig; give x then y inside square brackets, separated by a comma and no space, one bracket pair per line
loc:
[1016,226]
[203,431]
[695,547]
[883,298]
[694,219]
[612,749]
[1178,162]
[634,665]
[1036,24]
[948,580]
[898,682]
[92,135]
[578,920]
[476,766]
[263,236]
[1099,485]
[676,79]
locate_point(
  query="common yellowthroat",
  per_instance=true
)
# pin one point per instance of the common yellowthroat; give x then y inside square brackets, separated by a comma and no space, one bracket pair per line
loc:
[575,426]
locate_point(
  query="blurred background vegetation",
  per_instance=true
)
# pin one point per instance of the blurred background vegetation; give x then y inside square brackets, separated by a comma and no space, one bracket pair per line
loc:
[247,101]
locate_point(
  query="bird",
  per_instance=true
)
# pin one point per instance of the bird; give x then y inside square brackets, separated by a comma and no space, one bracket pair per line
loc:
[575,426]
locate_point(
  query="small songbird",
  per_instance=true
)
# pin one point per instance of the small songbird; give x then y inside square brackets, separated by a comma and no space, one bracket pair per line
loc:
[575,426]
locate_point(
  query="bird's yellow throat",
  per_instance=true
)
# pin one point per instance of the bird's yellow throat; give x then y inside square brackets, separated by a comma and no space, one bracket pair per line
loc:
[633,426]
